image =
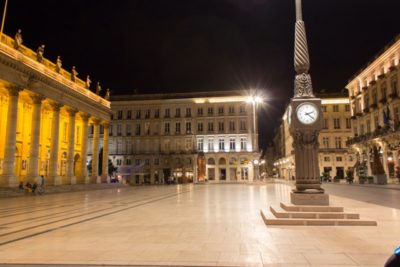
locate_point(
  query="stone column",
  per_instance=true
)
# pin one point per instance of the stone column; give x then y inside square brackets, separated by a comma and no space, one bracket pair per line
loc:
[104,171]
[70,177]
[33,171]
[54,178]
[95,152]
[8,178]
[85,177]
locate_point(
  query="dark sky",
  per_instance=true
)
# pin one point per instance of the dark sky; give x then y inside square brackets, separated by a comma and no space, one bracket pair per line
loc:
[158,46]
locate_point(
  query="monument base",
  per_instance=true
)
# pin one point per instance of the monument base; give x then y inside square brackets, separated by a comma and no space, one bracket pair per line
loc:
[309,199]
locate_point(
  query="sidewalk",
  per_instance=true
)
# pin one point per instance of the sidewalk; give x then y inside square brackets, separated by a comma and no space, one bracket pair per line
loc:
[15,192]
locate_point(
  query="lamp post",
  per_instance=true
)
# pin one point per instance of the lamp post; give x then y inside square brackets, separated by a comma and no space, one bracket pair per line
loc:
[254,100]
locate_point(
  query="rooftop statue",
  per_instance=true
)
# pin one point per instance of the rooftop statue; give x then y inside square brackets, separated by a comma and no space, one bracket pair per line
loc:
[107,96]
[88,82]
[74,73]
[18,39]
[58,64]
[98,88]
[39,53]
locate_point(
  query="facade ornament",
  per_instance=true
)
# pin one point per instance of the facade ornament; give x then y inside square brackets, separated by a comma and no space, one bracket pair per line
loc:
[37,98]
[303,86]
[18,39]
[88,82]
[98,88]
[107,96]
[58,64]
[74,73]
[39,53]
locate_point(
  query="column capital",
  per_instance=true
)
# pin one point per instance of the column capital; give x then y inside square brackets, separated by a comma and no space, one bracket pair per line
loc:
[36,98]
[13,90]
[96,121]
[71,111]
[106,124]
[55,105]
[84,116]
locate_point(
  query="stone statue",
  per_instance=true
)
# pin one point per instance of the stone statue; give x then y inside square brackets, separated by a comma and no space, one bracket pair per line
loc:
[201,167]
[58,64]
[18,39]
[74,73]
[98,88]
[39,53]
[88,82]
[107,96]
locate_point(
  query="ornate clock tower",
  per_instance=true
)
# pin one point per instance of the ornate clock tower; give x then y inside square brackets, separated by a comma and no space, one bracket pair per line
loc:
[306,121]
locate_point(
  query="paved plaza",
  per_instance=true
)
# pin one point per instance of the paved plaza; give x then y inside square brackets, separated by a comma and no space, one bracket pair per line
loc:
[192,225]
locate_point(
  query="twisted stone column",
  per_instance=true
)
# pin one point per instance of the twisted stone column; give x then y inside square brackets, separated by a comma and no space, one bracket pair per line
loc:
[54,178]
[84,171]
[95,151]
[8,178]
[104,173]
[33,171]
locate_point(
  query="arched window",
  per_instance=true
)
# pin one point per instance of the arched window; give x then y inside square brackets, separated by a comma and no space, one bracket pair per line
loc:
[222,161]
[211,161]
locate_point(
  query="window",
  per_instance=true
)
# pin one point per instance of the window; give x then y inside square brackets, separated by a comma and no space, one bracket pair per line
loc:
[210,126]
[394,85]
[325,142]
[188,112]
[177,127]
[323,108]
[347,108]
[232,126]
[101,129]
[336,123]
[220,110]
[200,111]
[166,113]
[147,114]
[338,142]
[362,129]
[243,125]
[138,114]
[368,126]
[178,112]
[156,161]
[221,145]
[119,162]
[210,145]
[200,144]
[119,130]
[119,114]
[128,161]
[221,126]
[348,123]
[325,124]
[166,128]
[147,162]
[374,96]
[335,108]
[128,130]
[129,114]
[242,109]
[232,144]
[384,91]
[210,110]
[327,159]
[137,162]
[366,101]
[338,159]
[156,113]
[188,127]
[137,130]
[231,109]
[350,158]
[188,144]
[199,126]
[110,132]
[243,144]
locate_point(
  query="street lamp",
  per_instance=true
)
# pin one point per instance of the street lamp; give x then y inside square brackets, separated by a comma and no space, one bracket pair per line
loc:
[254,100]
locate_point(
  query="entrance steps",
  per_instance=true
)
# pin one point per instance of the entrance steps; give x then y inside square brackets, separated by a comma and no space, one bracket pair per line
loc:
[311,215]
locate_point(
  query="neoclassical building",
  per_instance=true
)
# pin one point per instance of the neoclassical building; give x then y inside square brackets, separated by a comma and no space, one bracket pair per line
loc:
[189,137]
[375,107]
[45,115]
[335,157]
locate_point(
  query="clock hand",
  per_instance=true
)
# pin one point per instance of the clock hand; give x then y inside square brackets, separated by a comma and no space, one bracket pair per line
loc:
[309,116]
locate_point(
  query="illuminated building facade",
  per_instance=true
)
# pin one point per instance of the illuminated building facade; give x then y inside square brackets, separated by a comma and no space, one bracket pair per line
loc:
[334,155]
[157,137]
[375,108]
[44,120]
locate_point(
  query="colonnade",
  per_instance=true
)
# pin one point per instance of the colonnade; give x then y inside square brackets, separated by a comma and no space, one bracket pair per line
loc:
[9,175]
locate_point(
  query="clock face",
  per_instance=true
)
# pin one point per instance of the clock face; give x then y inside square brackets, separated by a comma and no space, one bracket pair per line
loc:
[307,113]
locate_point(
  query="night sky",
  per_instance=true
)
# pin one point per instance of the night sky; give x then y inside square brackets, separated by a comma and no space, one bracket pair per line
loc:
[156,46]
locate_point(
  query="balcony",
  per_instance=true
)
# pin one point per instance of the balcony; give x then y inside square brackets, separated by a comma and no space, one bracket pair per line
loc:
[378,133]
